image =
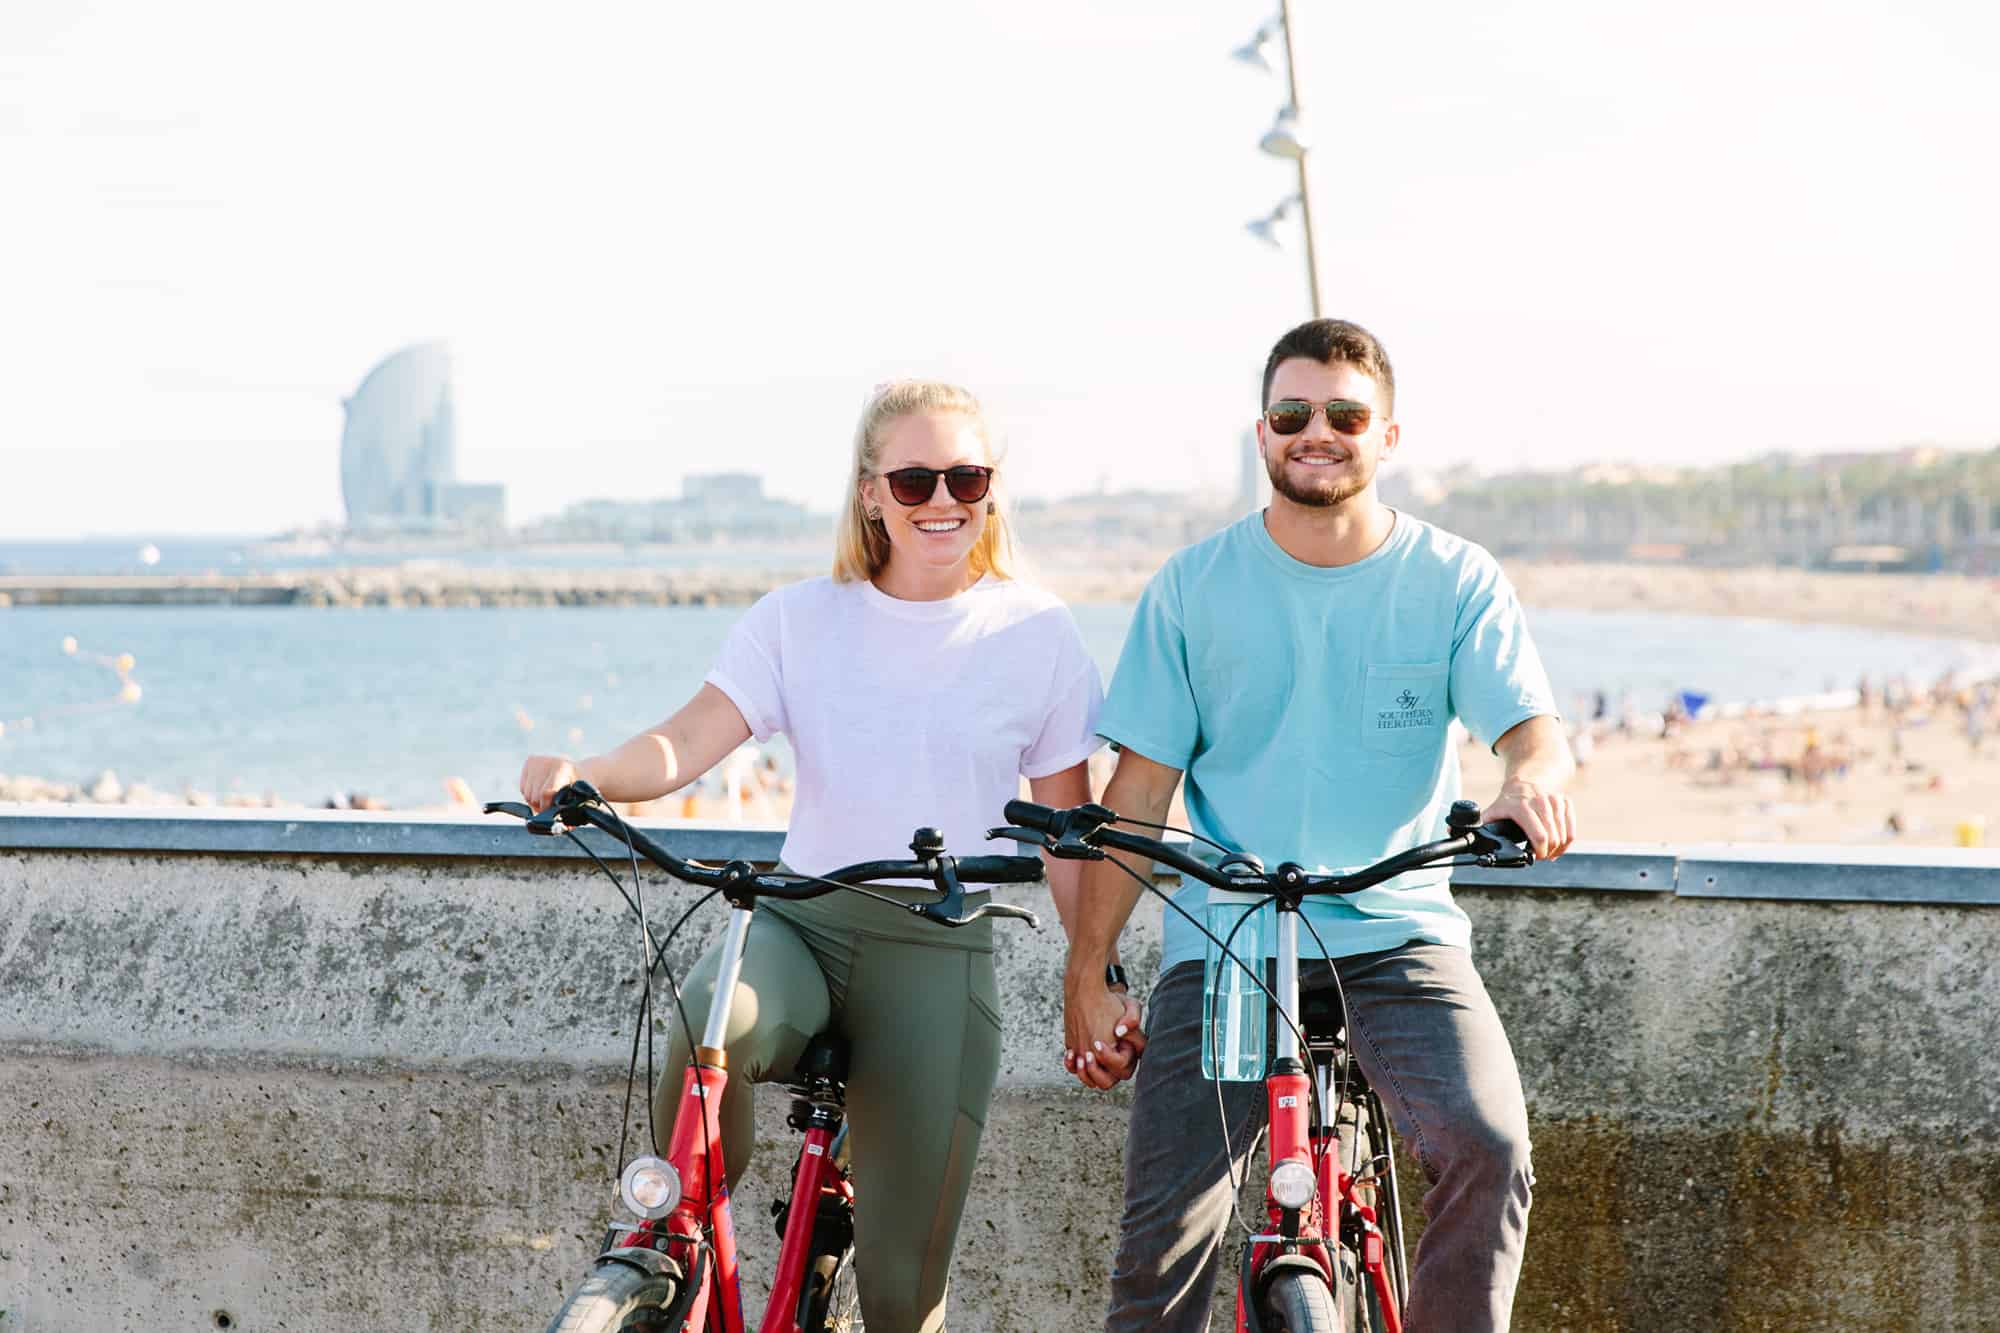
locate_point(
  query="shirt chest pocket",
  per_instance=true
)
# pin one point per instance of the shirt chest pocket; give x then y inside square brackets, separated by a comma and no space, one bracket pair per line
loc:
[1403,708]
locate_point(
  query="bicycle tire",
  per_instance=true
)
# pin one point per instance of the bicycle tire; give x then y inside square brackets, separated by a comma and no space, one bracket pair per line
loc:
[1297,1302]
[610,1297]
[831,1303]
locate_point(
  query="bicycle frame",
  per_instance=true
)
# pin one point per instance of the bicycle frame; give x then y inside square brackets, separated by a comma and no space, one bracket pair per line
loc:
[695,1151]
[1338,1207]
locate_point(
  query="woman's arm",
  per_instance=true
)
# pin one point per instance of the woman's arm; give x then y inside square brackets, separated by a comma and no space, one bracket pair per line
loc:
[656,761]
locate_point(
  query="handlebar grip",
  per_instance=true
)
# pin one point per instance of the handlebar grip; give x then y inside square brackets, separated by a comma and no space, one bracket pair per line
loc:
[1040,818]
[1506,828]
[999,869]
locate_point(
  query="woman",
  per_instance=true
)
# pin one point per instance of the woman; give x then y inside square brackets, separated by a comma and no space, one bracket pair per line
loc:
[917,685]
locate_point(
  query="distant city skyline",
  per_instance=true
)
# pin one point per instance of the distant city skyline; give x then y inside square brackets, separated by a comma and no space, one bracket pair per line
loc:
[1643,234]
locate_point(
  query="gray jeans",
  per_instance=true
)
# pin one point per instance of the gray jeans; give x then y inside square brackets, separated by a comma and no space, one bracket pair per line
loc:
[1429,1041]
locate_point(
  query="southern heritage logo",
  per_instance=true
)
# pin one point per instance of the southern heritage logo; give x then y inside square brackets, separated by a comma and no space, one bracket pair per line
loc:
[1407,714]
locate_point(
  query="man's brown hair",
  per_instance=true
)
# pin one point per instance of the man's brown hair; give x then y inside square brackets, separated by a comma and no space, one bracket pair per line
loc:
[1329,342]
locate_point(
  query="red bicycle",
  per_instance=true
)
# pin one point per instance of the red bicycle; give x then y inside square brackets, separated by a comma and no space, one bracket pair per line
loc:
[1331,1256]
[673,1269]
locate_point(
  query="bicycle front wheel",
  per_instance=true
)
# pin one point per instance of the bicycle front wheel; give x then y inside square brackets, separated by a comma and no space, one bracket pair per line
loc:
[1298,1302]
[830,1303]
[616,1298]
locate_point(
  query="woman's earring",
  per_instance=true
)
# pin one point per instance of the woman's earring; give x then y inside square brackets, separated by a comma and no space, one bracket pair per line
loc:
[874,516]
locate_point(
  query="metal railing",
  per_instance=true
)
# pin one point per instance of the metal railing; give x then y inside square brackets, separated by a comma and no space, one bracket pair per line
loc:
[1816,873]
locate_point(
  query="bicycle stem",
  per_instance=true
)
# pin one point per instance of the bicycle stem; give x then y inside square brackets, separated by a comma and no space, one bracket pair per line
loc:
[1286,1046]
[725,980]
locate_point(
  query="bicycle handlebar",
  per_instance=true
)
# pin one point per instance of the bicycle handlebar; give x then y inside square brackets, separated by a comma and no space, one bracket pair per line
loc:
[1084,832]
[742,883]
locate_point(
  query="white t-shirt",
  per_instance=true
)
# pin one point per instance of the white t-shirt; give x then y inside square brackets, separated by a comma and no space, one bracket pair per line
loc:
[906,714]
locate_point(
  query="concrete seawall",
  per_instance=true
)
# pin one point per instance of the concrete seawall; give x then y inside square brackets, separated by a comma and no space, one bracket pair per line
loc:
[319,1073]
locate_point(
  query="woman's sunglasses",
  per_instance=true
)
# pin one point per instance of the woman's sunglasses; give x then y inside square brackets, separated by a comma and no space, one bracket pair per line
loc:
[1289,416]
[916,485]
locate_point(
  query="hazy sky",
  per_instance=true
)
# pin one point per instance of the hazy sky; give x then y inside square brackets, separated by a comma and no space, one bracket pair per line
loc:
[665,238]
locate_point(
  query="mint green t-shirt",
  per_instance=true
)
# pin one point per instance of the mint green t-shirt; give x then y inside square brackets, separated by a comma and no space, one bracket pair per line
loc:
[1311,710]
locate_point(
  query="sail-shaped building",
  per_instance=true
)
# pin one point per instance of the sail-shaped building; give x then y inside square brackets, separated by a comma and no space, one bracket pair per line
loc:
[399,450]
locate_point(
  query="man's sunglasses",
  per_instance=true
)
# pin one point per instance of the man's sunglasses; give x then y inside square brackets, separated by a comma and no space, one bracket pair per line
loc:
[1289,416]
[916,485]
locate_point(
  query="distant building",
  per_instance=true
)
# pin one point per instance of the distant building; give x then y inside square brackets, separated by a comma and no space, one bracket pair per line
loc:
[1132,520]
[469,504]
[715,506]
[729,488]
[399,451]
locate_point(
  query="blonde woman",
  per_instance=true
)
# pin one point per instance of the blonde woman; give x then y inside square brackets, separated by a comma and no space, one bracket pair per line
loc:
[918,684]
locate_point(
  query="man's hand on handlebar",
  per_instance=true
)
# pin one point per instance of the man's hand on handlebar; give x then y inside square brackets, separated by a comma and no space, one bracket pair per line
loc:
[1546,817]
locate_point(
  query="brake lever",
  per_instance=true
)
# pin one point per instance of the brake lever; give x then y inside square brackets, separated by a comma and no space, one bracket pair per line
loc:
[934,912]
[542,822]
[1062,849]
[1007,910]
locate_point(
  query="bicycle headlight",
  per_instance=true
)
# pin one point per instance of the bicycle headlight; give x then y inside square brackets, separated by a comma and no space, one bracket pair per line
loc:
[650,1187]
[1292,1185]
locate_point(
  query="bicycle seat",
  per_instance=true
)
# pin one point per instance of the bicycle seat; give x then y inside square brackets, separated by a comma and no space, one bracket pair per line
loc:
[825,1056]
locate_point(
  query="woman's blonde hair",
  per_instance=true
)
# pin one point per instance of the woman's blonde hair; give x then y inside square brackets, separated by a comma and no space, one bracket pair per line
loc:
[861,544]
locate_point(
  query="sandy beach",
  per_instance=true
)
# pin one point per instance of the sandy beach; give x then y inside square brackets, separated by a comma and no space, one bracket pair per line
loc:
[1920,778]
[1955,605]
[1925,773]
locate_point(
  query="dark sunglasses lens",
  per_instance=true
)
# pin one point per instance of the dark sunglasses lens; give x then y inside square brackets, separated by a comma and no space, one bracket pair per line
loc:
[912,485]
[1288,417]
[968,484]
[1348,418]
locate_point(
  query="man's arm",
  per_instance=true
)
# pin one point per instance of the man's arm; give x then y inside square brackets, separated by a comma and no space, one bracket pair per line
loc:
[1096,1021]
[1538,768]
[1062,790]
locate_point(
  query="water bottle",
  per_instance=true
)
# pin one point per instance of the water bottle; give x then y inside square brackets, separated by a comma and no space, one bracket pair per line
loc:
[1234,1009]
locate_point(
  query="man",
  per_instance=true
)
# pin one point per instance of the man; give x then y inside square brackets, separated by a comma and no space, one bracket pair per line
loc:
[1302,668]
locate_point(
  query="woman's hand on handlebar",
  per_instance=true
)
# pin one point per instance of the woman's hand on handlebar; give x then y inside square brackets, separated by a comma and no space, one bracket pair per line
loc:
[543,775]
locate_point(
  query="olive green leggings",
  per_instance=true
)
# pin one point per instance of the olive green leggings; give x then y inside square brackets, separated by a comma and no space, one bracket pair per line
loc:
[920,1008]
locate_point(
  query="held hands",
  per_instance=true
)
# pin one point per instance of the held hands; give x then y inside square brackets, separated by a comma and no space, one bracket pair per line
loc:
[1547,817]
[1102,1040]
[543,776]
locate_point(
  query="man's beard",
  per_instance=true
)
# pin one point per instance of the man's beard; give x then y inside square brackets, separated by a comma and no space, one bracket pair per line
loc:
[1329,493]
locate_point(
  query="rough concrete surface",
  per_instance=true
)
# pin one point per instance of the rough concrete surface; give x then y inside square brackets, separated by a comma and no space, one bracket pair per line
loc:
[309,1092]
